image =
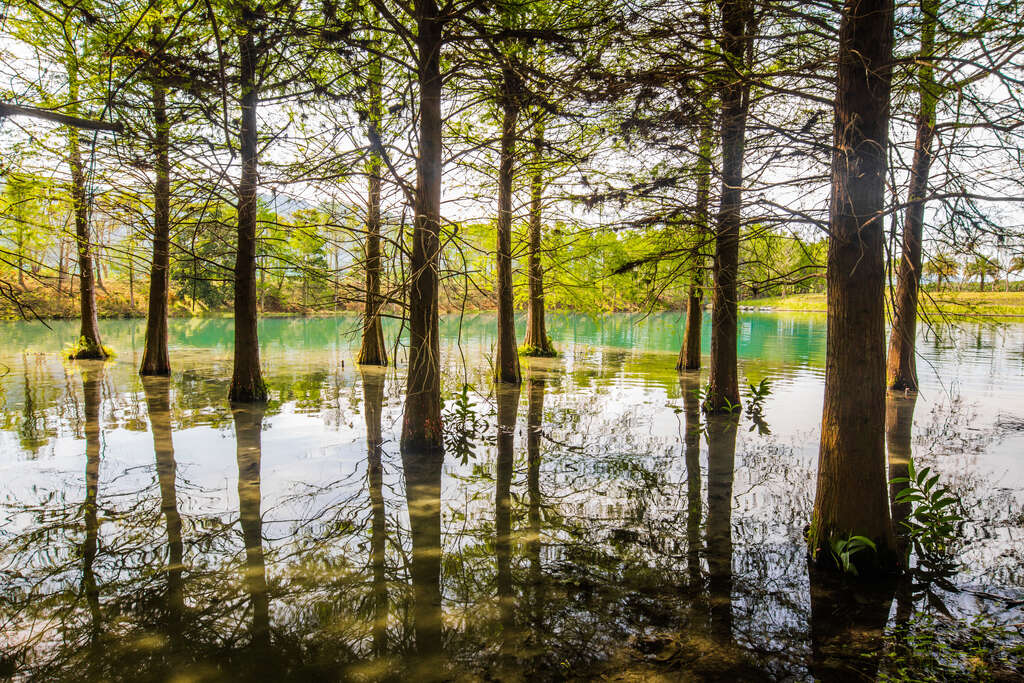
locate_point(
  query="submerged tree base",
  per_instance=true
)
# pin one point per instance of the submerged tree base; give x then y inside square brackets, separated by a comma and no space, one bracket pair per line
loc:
[86,350]
[548,351]
[252,392]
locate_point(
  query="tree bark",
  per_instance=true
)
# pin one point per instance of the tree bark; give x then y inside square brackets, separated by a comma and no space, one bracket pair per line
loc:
[373,351]
[851,496]
[689,354]
[156,358]
[901,368]
[247,385]
[724,391]
[421,425]
[507,361]
[90,345]
[536,342]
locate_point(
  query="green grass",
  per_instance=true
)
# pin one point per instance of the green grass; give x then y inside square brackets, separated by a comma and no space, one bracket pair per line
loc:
[946,303]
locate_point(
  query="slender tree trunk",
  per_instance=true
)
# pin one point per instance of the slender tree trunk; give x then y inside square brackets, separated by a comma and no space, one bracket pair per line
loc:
[156,358]
[60,266]
[373,350]
[689,354]
[851,496]
[724,392]
[537,341]
[247,381]
[901,368]
[421,426]
[90,345]
[507,362]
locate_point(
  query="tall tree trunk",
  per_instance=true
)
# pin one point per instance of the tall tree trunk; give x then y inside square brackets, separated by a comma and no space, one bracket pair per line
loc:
[60,266]
[901,368]
[689,354]
[724,392]
[537,341]
[373,350]
[156,358]
[421,425]
[373,398]
[507,362]
[851,496]
[247,384]
[90,345]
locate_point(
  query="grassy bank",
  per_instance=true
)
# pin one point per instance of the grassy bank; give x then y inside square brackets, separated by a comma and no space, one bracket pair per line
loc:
[945,303]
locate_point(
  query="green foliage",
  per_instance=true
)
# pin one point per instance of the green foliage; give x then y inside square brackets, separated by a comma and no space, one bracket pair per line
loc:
[74,351]
[463,427]
[844,550]
[936,515]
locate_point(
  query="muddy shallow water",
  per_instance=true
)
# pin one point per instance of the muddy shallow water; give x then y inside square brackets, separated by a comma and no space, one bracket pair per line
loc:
[591,523]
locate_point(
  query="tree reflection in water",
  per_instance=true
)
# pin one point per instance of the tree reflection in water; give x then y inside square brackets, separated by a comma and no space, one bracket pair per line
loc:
[597,546]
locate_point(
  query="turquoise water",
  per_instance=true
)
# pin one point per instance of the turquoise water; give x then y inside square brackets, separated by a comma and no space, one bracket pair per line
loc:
[591,523]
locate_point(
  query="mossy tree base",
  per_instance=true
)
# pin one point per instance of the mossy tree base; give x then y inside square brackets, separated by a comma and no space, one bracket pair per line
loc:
[538,352]
[85,350]
[248,392]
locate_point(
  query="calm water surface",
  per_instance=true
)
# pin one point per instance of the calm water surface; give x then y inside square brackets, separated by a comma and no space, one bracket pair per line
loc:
[592,523]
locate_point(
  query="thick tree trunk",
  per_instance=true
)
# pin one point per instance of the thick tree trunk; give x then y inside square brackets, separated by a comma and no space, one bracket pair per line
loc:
[249,454]
[156,358]
[901,368]
[536,342]
[247,385]
[851,496]
[689,355]
[373,351]
[90,345]
[506,367]
[421,426]
[724,391]
[373,398]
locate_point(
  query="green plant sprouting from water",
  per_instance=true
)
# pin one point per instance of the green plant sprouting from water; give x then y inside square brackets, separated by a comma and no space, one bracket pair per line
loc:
[936,514]
[844,550]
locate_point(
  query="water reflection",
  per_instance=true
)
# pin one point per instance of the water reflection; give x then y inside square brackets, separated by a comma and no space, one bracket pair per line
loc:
[604,528]
[249,454]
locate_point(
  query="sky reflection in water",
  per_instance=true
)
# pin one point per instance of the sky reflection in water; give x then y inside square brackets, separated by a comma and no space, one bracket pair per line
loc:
[590,522]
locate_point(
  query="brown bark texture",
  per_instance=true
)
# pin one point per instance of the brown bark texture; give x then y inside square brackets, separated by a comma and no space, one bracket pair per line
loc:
[901,367]
[421,425]
[373,351]
[90,345]
[724,391]
[247,385]
[536,327]
[689,355]
[852,498]
[507,362]
[155,357]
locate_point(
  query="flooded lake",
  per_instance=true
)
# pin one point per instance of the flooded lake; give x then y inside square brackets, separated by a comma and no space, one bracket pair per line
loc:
[592,523]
